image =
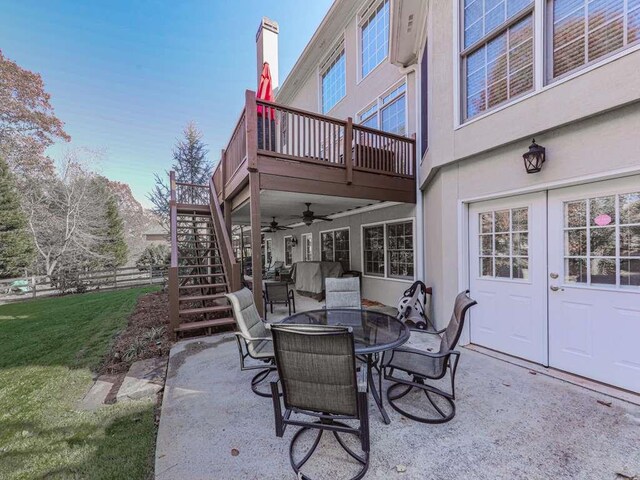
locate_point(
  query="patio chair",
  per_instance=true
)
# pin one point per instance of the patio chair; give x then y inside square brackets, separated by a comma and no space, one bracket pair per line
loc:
[343,293]
[278,293]
[270,273]
[318,378]
[254,340]
[428,364]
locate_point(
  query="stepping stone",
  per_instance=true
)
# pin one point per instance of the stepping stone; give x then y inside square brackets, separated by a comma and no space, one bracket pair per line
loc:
[98,392]
[144,380]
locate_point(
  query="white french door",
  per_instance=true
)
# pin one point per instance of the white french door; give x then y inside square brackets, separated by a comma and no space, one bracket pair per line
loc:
[508,264]
[594,285]
[557,278]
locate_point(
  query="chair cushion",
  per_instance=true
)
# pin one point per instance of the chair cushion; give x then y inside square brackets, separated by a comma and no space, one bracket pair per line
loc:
[248,319]
[343,293]
[409,358]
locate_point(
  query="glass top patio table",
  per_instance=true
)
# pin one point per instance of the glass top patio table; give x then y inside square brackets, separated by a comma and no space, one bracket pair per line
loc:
[372,331]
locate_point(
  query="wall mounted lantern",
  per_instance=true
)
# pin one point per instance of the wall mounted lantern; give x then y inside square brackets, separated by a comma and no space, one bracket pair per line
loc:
[294,241]
[534,158]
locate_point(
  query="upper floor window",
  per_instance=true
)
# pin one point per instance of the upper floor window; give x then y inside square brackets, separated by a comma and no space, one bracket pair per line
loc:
[334,83]
[374,38]
[497,55]
[587,30]
[388,113]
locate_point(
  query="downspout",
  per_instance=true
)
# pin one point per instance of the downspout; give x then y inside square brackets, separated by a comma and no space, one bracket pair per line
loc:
[419,233]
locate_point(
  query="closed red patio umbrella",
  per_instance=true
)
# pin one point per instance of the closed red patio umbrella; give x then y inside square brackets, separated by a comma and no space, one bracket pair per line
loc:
[266,115]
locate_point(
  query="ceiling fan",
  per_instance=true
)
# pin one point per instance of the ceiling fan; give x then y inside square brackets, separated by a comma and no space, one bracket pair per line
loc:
[274,227]
[308,217]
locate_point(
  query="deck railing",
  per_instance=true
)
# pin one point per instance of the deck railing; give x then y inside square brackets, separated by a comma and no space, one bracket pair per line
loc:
[192,193]
[267,129]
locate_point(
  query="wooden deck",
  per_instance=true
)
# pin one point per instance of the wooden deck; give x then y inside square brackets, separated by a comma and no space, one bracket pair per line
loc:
[293,150]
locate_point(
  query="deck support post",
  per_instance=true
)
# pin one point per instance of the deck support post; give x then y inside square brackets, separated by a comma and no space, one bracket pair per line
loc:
[256,239]
[348,150]
[174,286]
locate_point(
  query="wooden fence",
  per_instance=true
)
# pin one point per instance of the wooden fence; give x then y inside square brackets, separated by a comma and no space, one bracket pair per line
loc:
[78,282]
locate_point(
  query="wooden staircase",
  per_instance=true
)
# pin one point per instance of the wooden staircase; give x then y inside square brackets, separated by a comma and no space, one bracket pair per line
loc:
[201,265]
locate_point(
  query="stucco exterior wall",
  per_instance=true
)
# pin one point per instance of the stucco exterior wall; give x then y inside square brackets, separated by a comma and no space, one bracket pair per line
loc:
[384,290]
[588,123]
[359,93]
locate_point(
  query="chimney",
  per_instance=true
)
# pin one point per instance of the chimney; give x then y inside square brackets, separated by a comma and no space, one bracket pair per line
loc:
[267,49]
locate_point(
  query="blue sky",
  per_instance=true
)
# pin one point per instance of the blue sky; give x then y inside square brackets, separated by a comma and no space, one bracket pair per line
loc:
[126,76]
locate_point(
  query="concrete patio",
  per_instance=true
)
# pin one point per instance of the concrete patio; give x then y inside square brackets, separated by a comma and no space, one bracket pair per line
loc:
[510,424]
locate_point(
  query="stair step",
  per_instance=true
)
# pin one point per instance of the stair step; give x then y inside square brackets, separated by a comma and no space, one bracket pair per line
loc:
[194,311]
[202,265]
[201,275]
[195,258]
[196,298]
[207,285]
[218,322]
[192,207]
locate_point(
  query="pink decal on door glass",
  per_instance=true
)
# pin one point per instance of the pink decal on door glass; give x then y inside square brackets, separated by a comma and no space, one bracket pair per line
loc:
[602,220]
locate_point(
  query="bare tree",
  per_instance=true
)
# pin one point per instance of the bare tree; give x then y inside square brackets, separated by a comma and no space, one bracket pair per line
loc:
[66,215]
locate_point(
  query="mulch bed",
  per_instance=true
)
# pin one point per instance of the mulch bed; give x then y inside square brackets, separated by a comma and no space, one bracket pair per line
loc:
[145,336]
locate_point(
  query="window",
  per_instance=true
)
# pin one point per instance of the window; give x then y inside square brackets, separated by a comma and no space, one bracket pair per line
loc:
[288,250]
[497,55]
[334,81]
[602,240]
[373,238]
[587,30]
[388,250]
[307,247]
[334,247]
[400,249]
[504,244]
[388,113]
[374,38]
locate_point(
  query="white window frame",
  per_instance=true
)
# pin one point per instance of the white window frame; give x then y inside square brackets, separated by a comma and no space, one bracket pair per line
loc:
[334,243]
[338,49]
[303,237]
[284,250]
[362,18]
[464,52]
[377,102]
[386,275]
[540,82]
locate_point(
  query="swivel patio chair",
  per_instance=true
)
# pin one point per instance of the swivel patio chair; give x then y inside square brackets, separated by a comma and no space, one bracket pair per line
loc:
[254,340]
[421,365]
[318,378]
[342,293]
[278,293]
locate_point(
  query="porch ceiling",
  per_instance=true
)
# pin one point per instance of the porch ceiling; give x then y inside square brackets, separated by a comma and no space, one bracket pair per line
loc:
[287,207]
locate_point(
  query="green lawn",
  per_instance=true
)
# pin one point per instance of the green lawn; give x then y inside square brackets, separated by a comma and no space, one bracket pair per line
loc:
[48,351]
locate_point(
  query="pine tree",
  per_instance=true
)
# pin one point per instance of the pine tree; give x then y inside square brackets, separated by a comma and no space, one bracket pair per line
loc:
[191,166]
[16,245]
[114,247]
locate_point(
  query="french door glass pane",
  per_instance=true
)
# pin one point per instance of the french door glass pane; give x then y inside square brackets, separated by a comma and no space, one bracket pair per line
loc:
[603,242]
[630,241]
[576,214]
[575,270]
[575,242]
[603,271]
[630,208]
[630,272]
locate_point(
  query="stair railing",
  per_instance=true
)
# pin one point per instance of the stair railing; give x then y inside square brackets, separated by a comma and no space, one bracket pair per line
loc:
[229,262]
[174,287]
